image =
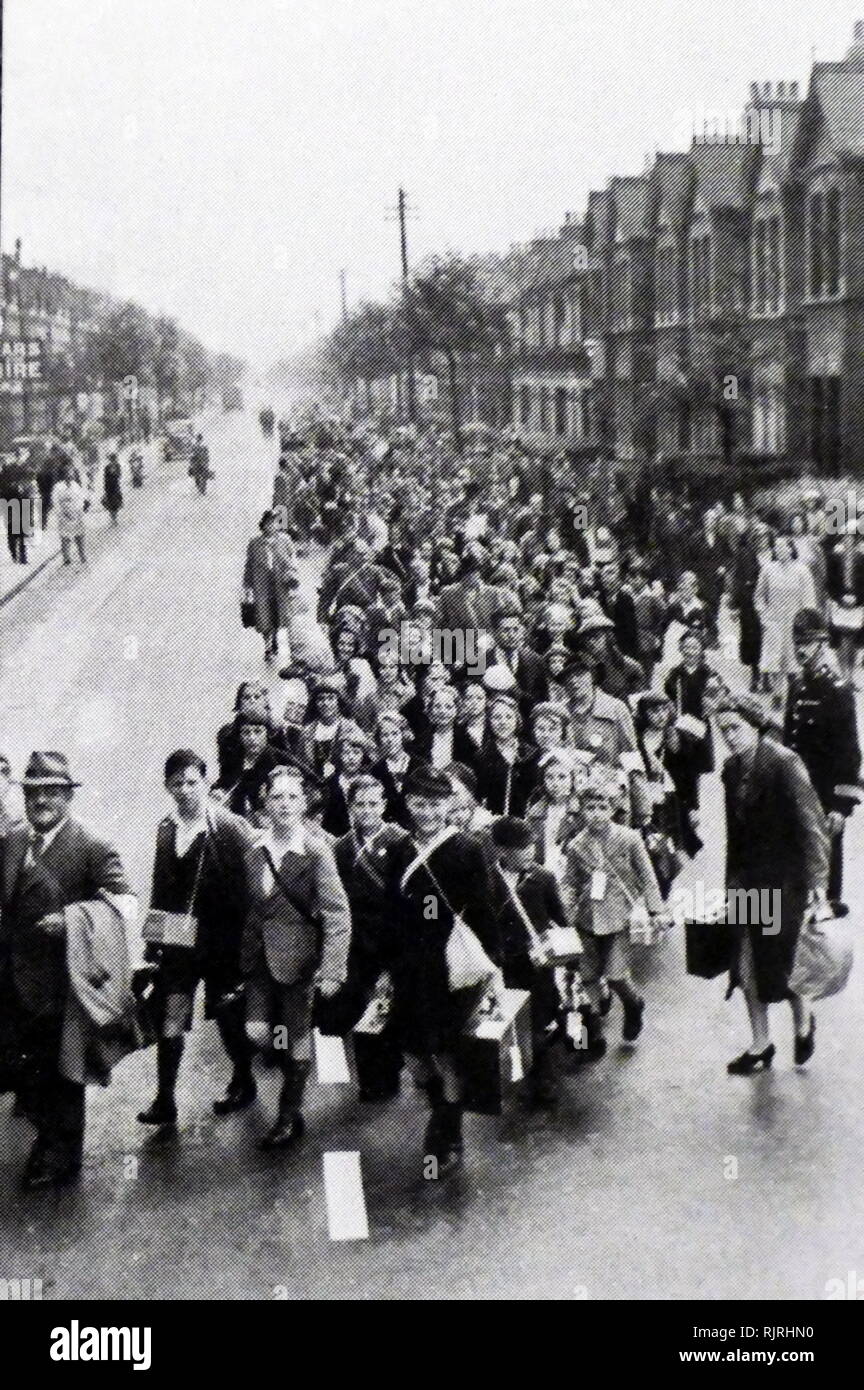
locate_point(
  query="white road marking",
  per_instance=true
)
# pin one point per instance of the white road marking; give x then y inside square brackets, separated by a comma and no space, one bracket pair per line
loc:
[330,1060]
[346,1202]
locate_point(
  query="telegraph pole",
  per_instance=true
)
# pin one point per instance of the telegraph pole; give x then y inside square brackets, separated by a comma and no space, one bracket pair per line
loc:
[343,293]
[402,212]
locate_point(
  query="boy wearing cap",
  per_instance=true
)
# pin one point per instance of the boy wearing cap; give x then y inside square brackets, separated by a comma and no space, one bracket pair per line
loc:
[526,903]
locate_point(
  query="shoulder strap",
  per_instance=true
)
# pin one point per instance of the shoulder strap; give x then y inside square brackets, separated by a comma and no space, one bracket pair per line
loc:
[421,858]
[299,907]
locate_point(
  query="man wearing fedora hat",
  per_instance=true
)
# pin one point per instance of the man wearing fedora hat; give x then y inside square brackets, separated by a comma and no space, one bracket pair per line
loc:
[46,865]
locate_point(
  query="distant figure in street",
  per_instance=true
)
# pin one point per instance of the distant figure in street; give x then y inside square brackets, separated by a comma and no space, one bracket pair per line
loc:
[70,502]
[112,488]
[199,464]
[270,578]
[784,586]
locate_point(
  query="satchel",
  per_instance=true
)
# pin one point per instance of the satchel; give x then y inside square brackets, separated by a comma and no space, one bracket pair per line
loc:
[709,947]
[247,611]
[467,962]
[823,957]
[163,928]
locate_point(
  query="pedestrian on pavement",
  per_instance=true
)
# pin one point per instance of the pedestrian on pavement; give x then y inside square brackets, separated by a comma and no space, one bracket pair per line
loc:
[822,728]
[48,866]
[784,586]
[198,872]
[777,844]
[269,580]
[112,488]
[70,502]
[297,937]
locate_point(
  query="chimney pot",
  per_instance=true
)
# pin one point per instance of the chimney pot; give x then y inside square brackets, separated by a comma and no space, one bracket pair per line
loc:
[793,91]
[754,92]
[767,91]
[781,91]
[859,29]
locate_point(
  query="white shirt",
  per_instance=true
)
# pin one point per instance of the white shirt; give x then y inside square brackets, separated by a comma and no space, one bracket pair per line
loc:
[186,832]
[442,748]
[47,837]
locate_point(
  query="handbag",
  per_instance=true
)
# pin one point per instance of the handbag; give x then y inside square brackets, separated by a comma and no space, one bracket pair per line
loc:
[709,947]
[823,957]
[247,610]
[846,618]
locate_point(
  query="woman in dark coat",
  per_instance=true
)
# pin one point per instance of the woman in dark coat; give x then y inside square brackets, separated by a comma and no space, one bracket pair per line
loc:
[112,489]
[506,774]
[443,867]
[776,844]
[751,549]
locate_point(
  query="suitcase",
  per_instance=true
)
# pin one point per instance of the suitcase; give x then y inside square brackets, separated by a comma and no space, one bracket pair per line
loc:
[495,1052]
[377,1057]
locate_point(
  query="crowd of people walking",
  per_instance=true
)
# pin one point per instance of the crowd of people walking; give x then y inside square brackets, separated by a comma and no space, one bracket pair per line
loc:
[477,780]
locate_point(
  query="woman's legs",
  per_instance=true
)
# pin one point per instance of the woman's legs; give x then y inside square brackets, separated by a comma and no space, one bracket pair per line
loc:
[756,1010]
[802,1013]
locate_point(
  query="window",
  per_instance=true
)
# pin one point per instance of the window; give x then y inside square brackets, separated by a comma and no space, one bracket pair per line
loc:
[769,420]
[766,262]
[525,405]
[544,408]
[684,438]
[559,322]
[825,435]
[832,242]
[667,298]
[561,411]
[700,275]
[823,233]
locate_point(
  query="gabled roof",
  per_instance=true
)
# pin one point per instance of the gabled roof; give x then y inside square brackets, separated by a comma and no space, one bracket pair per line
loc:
[598,220]
[839,95]
[778,160]
[672,186]
[724,173]
[630,200]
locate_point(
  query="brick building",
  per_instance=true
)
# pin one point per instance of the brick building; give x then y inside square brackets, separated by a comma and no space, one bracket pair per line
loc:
[715,313]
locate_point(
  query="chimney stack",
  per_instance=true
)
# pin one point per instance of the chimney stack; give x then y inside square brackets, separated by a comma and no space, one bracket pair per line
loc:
[793,91]
[754,93]
[859,30]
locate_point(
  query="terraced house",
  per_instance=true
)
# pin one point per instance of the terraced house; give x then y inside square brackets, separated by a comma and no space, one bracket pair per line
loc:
[711,309]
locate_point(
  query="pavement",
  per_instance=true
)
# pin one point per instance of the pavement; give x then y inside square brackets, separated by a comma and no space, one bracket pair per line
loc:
[659,1176]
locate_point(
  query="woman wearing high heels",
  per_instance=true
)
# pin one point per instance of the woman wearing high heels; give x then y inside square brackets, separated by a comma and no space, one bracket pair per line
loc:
[776,844]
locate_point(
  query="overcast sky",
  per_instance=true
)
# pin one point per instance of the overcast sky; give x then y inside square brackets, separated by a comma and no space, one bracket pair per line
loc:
[224,159]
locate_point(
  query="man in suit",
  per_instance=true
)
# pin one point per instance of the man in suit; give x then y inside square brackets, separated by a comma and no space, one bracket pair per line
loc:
[525,665]
[469,603]
[47,865]
[822,727]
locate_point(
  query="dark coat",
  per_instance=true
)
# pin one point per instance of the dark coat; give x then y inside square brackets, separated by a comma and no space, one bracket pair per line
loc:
[74,867]
[427,1016]
[532,682]
[503,788]
[822,728]
[397,810]
[776,839]
[220,901]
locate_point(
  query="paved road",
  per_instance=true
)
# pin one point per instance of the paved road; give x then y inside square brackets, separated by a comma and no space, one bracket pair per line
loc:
[660,1177]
